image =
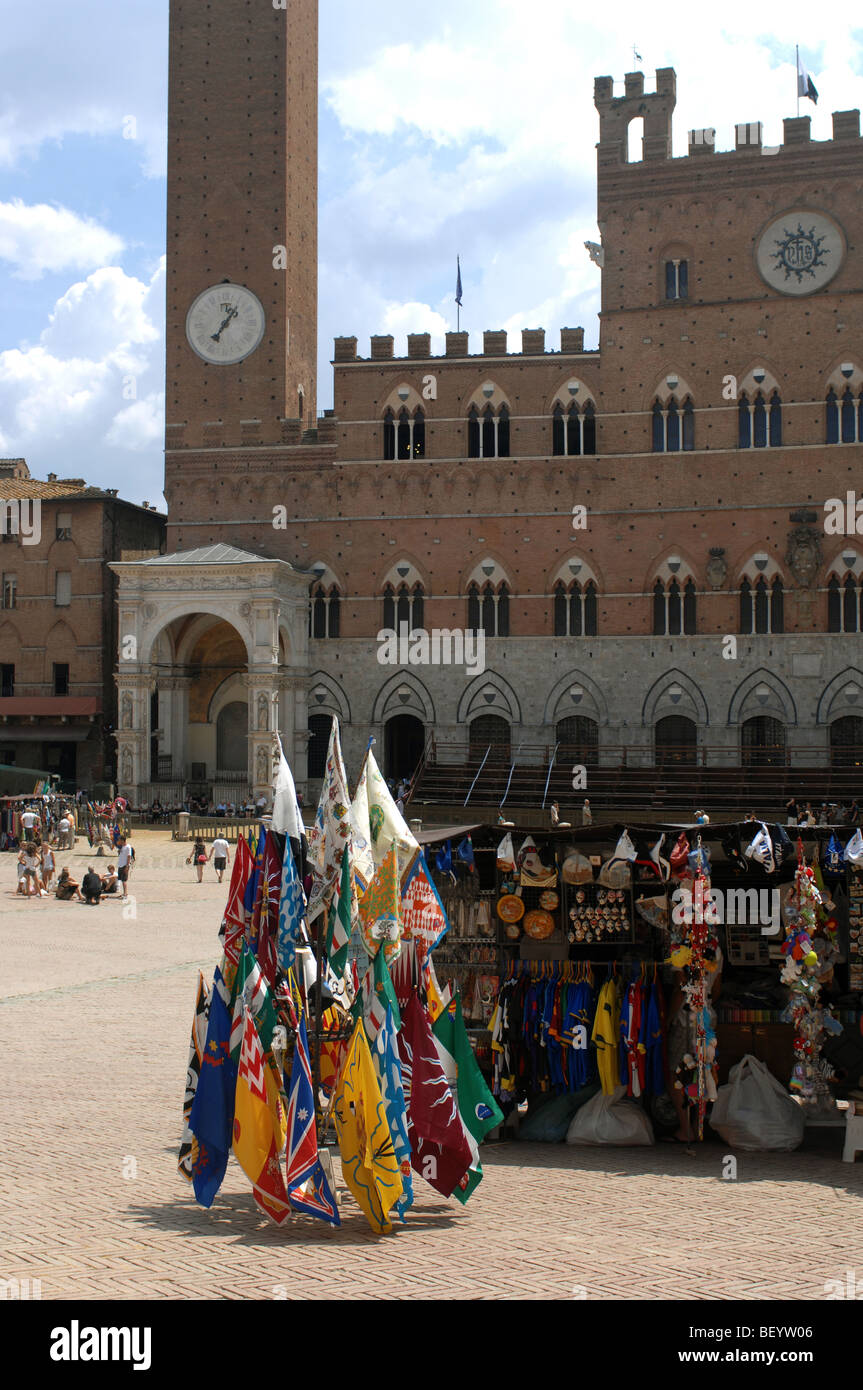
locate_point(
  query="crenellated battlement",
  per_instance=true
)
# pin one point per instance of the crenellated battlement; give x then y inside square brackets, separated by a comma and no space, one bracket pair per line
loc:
[494,346]
[657,108]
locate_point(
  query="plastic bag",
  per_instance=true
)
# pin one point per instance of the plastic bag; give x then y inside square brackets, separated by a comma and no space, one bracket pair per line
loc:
[854,849]
[611,1120]
[679,854]
[550,1123]
[754,1111]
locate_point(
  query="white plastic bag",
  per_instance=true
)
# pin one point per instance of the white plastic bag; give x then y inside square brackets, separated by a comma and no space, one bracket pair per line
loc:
[754,1111]
[610,1120]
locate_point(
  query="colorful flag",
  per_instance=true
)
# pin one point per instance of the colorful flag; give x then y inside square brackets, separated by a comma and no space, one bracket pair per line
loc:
[369,1164]
[197,1043]
[380,909]
[332,829]
[250,897]
[256,1140]
[389,1073]
[477,1107]
[465,853]
[287,818]
[314,1197]
[376,996]
[211,1118]
[440,1149]
[235,912]
[424,921]
[266,923]
[292,904]
[250,991]
[332,1053]
[458,290]
[380,825]
[443,859]
[302,1154]
[339,918]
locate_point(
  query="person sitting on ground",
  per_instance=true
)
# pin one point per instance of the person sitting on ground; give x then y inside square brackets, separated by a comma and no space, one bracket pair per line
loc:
[67,888]
[92,887]
[110,881]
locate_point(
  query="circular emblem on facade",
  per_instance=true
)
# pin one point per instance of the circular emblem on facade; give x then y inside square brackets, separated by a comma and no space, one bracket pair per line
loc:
[800,252]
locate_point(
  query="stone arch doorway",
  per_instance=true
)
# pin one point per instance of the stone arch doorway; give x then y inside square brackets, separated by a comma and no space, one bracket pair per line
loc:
[762,742]
[232,738]
[676,741]
[404,744]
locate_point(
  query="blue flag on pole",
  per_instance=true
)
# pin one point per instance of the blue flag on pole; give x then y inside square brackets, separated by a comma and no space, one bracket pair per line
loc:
[251,892]
[302,1152]
[292,904]
[389,1073]
[212,1116]
[315,1197]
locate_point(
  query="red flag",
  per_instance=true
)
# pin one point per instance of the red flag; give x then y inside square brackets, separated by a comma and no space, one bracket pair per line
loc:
[440,1151]
[235,914]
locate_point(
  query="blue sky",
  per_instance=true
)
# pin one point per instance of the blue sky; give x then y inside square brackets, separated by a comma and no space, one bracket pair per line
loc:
[448,129]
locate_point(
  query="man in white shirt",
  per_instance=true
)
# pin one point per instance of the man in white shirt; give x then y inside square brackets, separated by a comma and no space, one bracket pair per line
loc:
[124,863]
[28,822]
[220,854]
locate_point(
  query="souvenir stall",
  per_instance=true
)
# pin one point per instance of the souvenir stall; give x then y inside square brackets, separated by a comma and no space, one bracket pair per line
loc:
[651,957]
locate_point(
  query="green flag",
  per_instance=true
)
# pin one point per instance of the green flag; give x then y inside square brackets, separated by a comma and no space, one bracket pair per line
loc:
[375,992]
[477,1107]
[249,984]
[339,919]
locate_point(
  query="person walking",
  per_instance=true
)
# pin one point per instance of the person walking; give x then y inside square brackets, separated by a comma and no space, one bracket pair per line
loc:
[221,855]
[125,857]
[586,813]
[198,857]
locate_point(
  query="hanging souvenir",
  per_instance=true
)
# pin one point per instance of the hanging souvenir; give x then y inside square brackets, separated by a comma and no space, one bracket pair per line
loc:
[539,925]
[679,855]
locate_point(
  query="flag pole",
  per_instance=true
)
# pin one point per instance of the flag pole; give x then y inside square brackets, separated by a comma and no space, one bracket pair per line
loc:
[797,75]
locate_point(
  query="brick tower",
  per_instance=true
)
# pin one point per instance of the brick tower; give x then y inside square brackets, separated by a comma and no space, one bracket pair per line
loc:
[241,226]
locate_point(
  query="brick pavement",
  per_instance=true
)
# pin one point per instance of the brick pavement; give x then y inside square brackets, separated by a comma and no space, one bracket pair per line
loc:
[94,1021]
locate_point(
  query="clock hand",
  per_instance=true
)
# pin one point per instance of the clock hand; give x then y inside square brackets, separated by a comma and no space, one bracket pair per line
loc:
[222,326]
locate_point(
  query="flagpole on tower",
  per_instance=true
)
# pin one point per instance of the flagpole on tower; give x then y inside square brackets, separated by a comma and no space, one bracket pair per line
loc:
[797,74]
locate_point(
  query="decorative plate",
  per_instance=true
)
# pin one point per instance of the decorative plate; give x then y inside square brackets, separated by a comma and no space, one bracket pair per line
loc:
[510,908]
[549,900]
[539,924]
[513,931]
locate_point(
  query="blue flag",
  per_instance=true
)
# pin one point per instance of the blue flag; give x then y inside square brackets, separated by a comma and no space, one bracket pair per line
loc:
[212,1116]
[465,852]
[458,282]
[443,859]
[292,904]
[302,1152]
[389,1074]
[315,1197]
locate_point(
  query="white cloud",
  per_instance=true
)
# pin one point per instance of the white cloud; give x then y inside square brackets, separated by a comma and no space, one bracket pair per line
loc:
[35,238]
[92,387]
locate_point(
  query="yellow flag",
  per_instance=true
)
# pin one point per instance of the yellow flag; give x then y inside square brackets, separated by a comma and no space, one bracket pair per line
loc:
[369,1164]
[255,1130]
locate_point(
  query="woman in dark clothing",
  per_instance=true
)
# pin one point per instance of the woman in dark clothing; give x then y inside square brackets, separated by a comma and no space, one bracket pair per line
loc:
[198,857]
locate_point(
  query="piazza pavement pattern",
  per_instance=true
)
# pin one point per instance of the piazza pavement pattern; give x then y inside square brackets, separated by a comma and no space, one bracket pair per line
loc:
[95,1012]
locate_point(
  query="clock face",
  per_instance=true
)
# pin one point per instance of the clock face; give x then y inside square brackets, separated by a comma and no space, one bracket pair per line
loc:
[225,324]
[800,252]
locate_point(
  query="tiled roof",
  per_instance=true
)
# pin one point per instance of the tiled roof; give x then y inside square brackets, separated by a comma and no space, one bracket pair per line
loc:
[210,555]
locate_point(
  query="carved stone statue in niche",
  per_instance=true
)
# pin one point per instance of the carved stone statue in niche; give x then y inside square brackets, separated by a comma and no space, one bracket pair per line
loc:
[263,766]
[263,712]
[126,712]
[804,555]
[126,774]
[717,567]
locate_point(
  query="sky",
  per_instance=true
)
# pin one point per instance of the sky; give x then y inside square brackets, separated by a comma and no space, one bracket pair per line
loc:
[454,129]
